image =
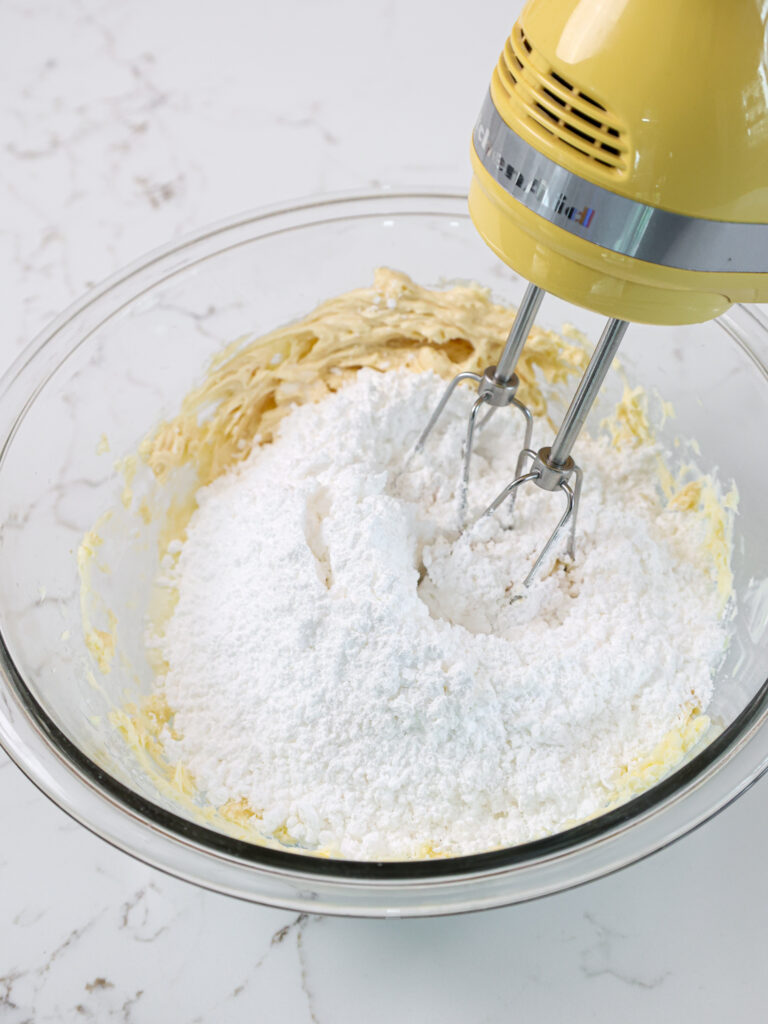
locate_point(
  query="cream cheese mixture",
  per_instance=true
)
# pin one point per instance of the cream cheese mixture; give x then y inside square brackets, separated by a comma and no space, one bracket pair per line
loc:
[342,671]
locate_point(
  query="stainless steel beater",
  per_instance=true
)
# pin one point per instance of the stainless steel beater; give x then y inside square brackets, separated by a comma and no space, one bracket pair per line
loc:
[552,467]
[497,388]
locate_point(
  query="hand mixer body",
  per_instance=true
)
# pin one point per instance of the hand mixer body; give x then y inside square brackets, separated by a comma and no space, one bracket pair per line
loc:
[621,157]
[621,162]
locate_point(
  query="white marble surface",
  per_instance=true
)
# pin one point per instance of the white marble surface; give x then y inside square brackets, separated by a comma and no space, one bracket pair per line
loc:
[125,124]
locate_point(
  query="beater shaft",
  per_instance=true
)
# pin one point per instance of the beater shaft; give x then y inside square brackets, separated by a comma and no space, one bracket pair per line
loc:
[586,393]
[551,469]
[521,328]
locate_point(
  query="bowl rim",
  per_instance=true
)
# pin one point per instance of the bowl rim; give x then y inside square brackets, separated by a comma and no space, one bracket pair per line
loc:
[39,747]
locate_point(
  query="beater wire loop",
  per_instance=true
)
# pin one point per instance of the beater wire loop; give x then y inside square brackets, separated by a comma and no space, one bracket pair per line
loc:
[551,468]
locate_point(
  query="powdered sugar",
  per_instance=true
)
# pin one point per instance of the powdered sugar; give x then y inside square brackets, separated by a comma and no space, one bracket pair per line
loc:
[339,660]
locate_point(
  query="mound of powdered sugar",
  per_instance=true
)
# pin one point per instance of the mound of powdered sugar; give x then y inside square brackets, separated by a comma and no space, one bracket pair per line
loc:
[341,661]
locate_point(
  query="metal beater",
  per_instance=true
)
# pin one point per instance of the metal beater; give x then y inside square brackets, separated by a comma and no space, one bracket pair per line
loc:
[551,468]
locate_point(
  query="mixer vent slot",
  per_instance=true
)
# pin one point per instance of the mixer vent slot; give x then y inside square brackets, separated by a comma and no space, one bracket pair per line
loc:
[558,111]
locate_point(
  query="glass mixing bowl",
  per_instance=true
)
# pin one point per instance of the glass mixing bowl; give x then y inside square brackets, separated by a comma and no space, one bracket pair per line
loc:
[122,358]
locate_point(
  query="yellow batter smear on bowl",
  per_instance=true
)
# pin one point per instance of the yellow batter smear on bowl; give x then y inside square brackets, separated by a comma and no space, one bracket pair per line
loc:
[253,384]
[100,640]
[395,323]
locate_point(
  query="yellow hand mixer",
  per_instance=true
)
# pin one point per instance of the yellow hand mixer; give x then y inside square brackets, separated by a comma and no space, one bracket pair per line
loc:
[620,162]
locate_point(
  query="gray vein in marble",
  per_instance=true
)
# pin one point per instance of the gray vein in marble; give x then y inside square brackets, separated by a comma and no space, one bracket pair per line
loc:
[26,918]
[149,388]
[129,905]
[159,192]
[298,927]
[277,939]
[626,979]
[64,492]
[136,66]
[8,980]
[303,921]
[137,915]
[72,144]
[309,120]
[282,933]
[126,1009]
[201,317]
[598,960]
[74,936]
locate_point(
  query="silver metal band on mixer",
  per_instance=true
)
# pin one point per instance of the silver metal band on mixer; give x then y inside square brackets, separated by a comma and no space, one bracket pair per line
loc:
[617,223]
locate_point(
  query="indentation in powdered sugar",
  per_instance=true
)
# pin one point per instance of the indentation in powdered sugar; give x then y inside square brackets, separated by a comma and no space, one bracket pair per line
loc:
[318,506]
[342,661]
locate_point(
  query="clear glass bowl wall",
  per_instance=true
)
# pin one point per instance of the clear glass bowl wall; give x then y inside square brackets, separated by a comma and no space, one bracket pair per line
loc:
[123,358]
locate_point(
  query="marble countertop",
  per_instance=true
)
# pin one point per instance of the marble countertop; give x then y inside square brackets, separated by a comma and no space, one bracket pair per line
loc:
[125,125]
